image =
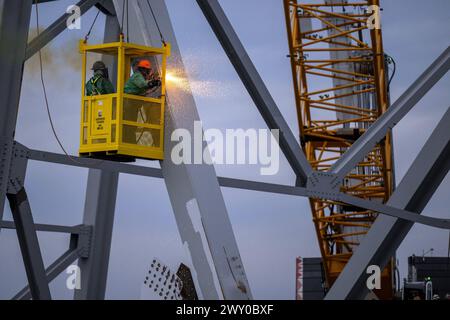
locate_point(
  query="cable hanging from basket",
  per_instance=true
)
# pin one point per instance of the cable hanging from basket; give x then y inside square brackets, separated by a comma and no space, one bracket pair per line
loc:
[128,25]
[122,18]
[86,37]
[44,90]
[157,24]
[122,23]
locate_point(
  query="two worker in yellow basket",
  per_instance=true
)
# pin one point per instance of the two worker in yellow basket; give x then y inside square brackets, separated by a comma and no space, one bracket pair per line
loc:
[139,83]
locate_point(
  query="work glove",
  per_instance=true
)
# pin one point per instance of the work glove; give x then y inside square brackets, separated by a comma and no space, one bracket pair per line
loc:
[154,83]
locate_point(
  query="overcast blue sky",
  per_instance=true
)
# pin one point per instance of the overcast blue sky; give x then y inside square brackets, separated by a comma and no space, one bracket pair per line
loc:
[271,230]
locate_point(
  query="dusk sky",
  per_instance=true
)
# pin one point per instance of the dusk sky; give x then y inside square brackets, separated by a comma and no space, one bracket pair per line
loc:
[271,230]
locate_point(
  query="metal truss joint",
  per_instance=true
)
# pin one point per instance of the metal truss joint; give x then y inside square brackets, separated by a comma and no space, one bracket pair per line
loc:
[84,241]
[20,151]
[17,169]
[5,146]
[323,185]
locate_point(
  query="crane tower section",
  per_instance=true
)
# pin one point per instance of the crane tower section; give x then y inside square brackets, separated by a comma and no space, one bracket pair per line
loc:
[341,87]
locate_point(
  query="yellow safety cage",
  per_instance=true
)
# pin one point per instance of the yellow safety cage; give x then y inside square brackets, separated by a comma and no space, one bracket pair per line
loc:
[122,126]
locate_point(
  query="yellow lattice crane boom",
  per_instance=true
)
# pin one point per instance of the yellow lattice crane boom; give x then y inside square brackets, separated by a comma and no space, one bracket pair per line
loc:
[340,79]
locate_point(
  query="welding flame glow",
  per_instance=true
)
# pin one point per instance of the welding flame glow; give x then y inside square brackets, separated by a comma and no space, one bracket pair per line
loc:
[171,77]
[200,88]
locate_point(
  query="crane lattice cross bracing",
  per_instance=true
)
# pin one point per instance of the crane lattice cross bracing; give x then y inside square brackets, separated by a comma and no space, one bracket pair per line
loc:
[340,80]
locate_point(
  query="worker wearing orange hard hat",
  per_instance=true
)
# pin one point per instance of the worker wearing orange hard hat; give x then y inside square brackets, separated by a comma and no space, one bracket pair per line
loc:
[142,79]
[140,83]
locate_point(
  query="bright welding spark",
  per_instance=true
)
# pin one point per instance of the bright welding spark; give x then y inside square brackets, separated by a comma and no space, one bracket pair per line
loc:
[172,78]
[199,88]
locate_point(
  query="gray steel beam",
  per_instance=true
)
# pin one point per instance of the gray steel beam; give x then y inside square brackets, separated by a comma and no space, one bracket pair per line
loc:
[45,227]
[101,193]
[14,25]
[392,116]
[99,210]
[25,227]
[386,234]
[29,245]
[391,211]
[194,191]
[104,165]
[58,266]
[107,7]
[238,184]
[55,29]
[261,186]
[256,87]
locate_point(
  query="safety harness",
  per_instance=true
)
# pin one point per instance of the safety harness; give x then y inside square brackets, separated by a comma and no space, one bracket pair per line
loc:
[93,82]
